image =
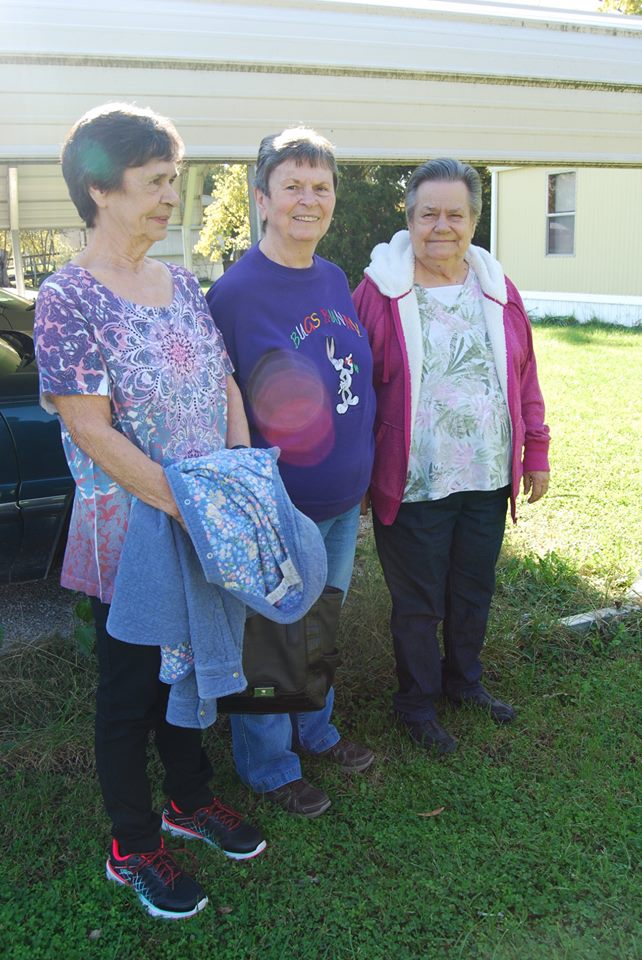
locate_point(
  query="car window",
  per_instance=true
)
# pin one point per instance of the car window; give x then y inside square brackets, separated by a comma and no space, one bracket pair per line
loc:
[16,313]
[10,358]
[22,343]
[18,371]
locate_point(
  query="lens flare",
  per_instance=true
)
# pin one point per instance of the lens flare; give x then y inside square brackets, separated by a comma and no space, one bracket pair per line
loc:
[291,407]
[97,162]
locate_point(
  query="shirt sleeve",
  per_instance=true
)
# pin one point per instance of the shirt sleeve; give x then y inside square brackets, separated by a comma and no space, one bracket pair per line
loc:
[69,359]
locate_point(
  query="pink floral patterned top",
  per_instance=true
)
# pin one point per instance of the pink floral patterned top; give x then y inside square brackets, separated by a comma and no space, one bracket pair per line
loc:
[164,370]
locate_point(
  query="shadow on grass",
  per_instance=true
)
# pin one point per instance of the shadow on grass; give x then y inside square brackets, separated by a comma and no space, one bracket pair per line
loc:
[595,333]
[532,594]
[520,845]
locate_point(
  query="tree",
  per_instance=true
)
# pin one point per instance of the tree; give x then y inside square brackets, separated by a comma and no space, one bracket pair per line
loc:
[370,208]
[43,251]
[226,230]
[482,231]
[621,6]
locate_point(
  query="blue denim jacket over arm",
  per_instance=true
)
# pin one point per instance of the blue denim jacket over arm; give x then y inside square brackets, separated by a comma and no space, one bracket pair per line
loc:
[246,545]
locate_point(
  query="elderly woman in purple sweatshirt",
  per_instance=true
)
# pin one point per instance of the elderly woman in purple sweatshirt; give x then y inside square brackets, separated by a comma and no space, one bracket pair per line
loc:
[460,421]
[302,361]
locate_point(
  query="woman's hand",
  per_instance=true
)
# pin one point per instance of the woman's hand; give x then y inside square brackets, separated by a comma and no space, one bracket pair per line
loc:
[535,483]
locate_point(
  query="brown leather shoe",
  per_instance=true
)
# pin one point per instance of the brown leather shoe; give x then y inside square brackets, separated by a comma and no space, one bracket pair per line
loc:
[351,757]
[301,798]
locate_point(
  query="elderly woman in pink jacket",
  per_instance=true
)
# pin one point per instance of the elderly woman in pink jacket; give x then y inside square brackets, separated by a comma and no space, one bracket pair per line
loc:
[460,421]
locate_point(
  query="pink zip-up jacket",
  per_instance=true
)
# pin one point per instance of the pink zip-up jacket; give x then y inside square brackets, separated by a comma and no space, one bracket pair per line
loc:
[387,308]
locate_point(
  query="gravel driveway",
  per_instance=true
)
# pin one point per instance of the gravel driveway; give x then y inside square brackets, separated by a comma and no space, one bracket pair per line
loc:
[31,612]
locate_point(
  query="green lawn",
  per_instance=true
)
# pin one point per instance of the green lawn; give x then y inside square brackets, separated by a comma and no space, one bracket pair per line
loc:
[533,855]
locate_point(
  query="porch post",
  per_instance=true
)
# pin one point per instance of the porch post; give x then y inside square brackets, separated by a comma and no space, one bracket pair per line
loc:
[14,229]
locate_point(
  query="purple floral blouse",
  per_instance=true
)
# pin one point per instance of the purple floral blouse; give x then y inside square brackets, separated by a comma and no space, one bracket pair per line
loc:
[164,370]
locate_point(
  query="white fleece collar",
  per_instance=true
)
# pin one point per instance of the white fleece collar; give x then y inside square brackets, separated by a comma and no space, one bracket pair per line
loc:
[392,269]
[489,273]
[493,283]
[392,266]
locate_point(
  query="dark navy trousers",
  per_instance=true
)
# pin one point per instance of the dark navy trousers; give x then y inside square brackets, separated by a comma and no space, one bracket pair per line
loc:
[130,703]
[438,560]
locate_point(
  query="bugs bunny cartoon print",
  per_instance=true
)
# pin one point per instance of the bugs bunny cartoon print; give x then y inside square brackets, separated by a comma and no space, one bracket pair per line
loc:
[345,368]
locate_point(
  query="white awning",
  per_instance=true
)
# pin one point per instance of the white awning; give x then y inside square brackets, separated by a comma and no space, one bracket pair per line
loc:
[488,83]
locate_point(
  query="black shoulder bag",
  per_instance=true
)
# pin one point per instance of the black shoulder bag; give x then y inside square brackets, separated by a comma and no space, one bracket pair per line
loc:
[289,666]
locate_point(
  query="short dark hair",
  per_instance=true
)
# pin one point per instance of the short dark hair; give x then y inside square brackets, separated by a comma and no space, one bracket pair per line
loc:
[300,144]
[447,170]
[108,140]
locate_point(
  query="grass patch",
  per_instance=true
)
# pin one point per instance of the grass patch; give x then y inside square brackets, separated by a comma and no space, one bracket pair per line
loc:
[591,518]
[533,855]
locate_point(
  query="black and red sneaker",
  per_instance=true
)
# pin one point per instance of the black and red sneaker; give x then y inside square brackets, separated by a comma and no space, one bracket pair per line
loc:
[160,884]
[218,825]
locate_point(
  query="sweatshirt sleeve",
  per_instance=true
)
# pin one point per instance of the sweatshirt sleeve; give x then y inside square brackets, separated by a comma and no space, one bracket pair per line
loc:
[222,316]
[536,432]
[371,305]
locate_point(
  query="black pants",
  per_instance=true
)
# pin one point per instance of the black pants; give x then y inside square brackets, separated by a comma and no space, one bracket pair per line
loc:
[130,702]
[438,559]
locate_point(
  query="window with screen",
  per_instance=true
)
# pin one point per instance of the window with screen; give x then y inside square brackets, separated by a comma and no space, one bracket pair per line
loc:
[560,225]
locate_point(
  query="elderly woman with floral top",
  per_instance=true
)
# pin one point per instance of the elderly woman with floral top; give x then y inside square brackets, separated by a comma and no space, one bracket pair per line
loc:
[136,370]
[460,421]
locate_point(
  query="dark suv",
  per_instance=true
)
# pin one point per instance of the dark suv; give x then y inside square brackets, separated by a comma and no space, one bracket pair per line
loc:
[35,486]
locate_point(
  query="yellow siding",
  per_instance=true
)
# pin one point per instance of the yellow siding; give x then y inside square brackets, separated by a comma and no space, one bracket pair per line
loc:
[608,232]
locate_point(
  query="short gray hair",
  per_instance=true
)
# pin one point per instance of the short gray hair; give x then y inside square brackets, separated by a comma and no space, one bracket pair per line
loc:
[301,144]
[108,140]
[445,170]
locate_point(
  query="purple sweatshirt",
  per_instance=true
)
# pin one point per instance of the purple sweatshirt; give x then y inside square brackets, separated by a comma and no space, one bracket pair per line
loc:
[303,363]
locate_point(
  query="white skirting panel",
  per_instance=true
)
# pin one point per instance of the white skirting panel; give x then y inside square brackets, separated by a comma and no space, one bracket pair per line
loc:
[624,311]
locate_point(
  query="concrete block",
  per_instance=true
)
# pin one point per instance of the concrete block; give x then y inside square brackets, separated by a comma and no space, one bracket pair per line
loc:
[583,622]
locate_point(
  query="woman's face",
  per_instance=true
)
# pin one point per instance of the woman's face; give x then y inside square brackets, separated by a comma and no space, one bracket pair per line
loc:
[442,225]
[300,205]
[140,209]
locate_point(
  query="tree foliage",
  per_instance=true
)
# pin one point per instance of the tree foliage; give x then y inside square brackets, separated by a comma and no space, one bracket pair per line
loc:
[226,229]
[482,231]
[621,6]
[370,208]
[43,251]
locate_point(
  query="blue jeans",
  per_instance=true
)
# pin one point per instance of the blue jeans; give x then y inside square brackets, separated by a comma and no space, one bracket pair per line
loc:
[262,745]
